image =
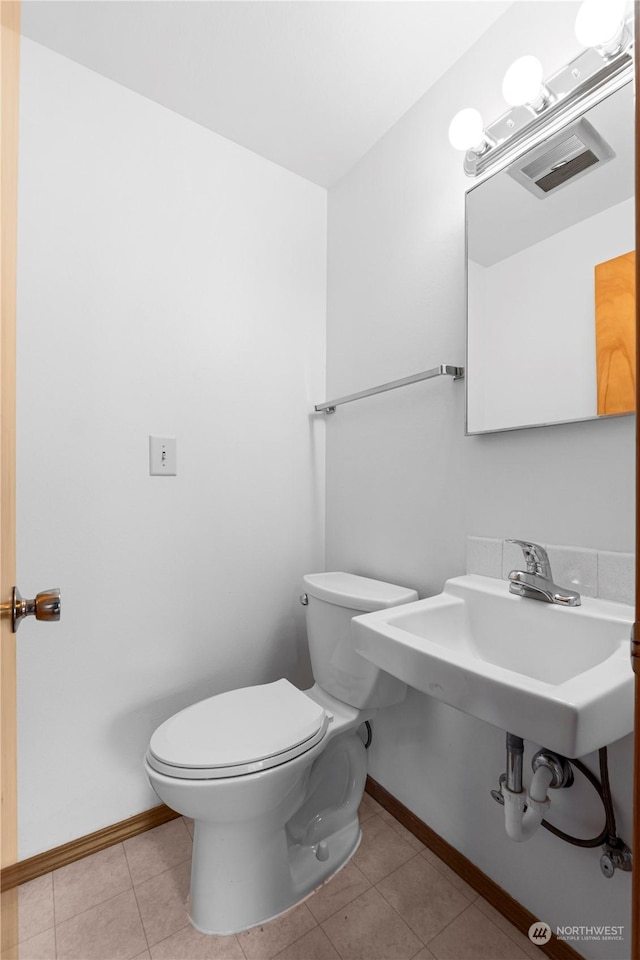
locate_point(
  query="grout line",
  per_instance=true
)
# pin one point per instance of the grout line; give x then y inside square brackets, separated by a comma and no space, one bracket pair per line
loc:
[97,902]
[423,947]
[187,922]
[425,943]
[499,929]
[94,906]
[437,866]
[16,946]
[405,921]
[508,923]
[155,876]
[330,939]
[392,823]
[298,939]
[133,887]
[240,945]
[168,937]
[447,925]
[347,903]
[55,926]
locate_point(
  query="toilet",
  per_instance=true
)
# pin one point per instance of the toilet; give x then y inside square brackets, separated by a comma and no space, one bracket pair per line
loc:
[272,775]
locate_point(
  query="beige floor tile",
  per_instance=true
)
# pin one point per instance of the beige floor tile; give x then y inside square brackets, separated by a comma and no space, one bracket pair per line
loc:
[410,838]
[472,936]
[266,941]
[424,954]
[365,811]
[450,874]
[35,907]
[110,931]
[423,897]
[382,850]
[189,824]
[157,850]
[188,944]
[40,947]
[344,887]
[145,955]
[370,929]
[90,881]
[521,939]
[163,902]
[315,945]
[373,805]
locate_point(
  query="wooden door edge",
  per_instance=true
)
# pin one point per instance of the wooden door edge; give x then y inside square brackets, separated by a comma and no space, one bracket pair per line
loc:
[635,643]
[9,84]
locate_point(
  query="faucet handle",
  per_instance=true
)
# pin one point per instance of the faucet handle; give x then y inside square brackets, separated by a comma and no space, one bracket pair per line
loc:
[536,556]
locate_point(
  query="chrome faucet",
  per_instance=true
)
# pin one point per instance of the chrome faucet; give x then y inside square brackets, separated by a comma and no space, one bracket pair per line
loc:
[537,583]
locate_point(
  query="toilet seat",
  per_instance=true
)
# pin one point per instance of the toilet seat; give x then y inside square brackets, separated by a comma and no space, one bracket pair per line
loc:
[236,733]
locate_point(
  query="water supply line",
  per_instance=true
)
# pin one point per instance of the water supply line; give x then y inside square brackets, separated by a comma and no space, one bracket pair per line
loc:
[524,812]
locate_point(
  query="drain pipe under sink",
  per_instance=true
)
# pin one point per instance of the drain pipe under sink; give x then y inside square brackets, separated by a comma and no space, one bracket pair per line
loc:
[524,810]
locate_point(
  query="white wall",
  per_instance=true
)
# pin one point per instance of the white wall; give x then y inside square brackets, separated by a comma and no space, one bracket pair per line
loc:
[170,282]
[405,486]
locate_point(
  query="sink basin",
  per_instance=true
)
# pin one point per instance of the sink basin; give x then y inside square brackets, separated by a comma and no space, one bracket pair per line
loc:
[558,676]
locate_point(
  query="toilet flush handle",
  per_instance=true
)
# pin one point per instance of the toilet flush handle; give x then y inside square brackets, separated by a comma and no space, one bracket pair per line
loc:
[304,599]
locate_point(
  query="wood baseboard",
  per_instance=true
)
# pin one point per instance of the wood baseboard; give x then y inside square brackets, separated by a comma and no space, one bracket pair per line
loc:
[514,912]
[42,863]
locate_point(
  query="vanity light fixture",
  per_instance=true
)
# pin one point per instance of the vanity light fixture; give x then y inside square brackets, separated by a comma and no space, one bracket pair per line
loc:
[541,108]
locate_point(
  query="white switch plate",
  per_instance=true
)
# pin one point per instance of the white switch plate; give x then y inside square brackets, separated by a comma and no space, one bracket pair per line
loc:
[162,457]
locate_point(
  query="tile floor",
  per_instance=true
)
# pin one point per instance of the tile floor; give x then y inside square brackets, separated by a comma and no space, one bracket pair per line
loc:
[395,900]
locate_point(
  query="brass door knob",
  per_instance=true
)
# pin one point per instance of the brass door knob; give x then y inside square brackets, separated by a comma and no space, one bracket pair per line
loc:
[45,606]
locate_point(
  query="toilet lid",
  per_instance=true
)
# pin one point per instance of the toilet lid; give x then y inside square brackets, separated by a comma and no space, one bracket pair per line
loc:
[242,731]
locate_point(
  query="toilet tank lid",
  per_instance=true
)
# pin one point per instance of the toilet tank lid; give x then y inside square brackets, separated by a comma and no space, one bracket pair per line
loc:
[358,593]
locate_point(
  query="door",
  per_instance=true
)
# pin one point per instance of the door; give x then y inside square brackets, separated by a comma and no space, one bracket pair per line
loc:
[9,68]
[635,646]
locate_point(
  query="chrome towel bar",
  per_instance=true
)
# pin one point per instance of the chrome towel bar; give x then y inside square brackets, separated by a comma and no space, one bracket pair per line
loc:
[444,370]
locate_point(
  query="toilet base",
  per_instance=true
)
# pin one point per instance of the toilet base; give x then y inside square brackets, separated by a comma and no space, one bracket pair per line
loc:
[263,842]
[215,897]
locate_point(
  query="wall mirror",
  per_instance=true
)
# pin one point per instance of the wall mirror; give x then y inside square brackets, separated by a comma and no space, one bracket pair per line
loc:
[550,278]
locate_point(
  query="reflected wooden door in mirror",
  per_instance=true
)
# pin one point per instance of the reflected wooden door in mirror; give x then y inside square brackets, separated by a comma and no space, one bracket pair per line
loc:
[615,297]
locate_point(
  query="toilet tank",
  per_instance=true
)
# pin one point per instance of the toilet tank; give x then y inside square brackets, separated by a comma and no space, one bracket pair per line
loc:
[332,600]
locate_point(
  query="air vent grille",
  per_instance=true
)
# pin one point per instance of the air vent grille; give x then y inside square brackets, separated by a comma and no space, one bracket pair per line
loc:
[561,159]
[567,169]
[549,160]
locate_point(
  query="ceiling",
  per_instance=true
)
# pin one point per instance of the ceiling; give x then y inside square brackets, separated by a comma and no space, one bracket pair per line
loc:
[309,84]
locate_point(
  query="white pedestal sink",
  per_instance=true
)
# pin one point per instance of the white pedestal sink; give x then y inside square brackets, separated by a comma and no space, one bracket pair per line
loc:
[558,676]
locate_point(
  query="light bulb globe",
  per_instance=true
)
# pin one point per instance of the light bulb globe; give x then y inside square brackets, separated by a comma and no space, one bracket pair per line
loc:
[599,21]
[466,130]
[523,81]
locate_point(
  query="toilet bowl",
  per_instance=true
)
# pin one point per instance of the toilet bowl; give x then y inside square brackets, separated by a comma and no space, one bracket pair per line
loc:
[273,776]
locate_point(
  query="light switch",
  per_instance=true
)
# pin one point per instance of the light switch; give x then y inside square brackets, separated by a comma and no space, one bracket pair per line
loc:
[162,457]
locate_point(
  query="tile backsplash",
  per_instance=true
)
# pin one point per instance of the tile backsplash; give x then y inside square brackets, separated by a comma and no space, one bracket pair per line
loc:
[594,573]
